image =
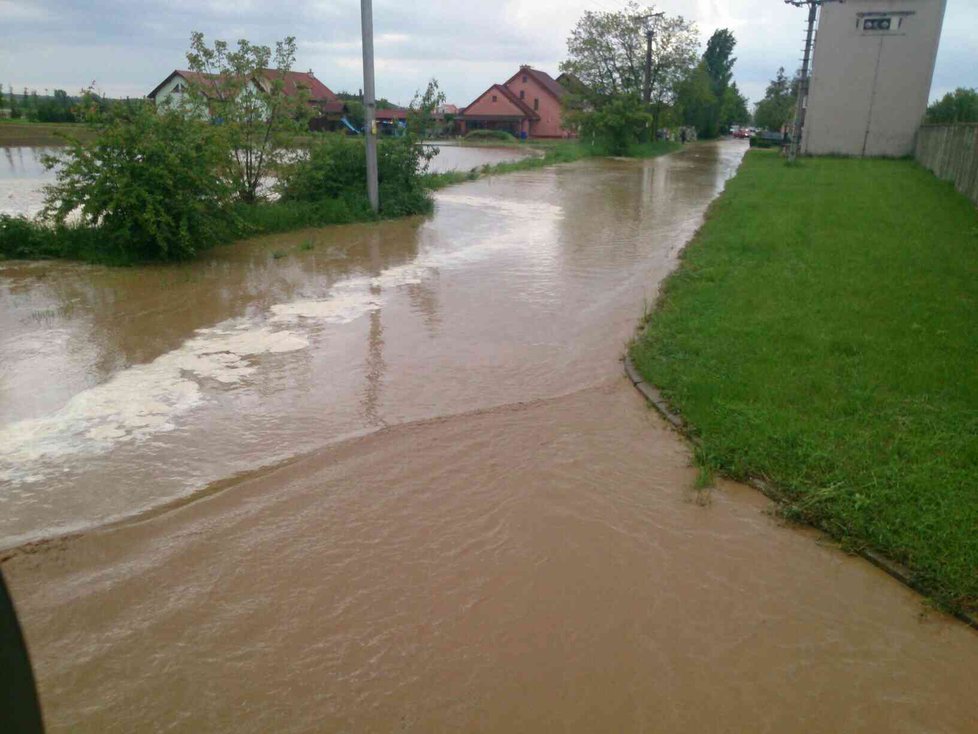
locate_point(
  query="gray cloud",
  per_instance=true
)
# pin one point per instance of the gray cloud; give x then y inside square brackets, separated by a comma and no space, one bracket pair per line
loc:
[127,47]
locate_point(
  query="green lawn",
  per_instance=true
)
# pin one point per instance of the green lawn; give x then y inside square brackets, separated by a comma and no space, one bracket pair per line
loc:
[19,132]
[822,332]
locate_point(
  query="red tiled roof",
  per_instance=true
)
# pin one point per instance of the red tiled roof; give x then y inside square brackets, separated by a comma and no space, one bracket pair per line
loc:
[543,78]
[291,83]
[520,104]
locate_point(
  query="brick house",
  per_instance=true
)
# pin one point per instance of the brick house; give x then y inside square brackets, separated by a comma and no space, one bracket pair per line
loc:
[528,104]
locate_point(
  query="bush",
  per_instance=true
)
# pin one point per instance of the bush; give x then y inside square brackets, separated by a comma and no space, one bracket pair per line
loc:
[21,238]
[502,135]
[336,169]
[617,125]
[148,184]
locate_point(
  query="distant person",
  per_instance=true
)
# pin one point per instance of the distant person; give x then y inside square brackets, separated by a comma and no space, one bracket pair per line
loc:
[682,136]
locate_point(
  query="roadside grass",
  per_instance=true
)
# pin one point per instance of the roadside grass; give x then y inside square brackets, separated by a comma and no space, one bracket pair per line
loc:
[820,333]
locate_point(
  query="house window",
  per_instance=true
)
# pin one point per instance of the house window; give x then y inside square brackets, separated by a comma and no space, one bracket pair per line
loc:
[179,88]
[522,93]
[524,78]
[536,103]
[494,98]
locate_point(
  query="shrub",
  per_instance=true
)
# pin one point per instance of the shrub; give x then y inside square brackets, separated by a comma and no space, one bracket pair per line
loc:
[477,135]
[148,184]
[336,169]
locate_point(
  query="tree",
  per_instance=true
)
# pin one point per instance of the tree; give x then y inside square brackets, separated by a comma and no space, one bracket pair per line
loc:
[1,96]
[14,108]
[148,184]
[718,59]
[616,125]
[240,89]
[697,103]
[421,112]
[606,51]
[733,110]
[961,105]
[775,110]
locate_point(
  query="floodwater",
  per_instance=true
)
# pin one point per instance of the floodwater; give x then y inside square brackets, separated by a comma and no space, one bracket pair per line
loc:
[468,519]
[23,176]
[459,158]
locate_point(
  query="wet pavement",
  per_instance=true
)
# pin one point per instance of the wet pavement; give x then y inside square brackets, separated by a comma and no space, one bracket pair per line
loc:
[474,522]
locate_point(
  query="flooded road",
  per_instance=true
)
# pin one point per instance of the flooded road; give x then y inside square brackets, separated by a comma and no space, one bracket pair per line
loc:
[475,523]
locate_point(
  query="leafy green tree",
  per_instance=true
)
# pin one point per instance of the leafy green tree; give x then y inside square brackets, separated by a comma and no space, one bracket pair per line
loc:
[616,125]
[734,110]
[697,102]
[421,112]
[775,110]
[1,96]
[606,52]
[244,89]
[961,105]
[148,183]
[718,60]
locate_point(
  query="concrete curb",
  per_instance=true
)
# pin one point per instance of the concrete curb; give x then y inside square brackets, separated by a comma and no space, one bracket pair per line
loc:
[898,571]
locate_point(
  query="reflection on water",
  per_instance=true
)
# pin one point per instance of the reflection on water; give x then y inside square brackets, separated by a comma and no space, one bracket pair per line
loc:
[22,176]
[458,158]
[125,388]
[533,566]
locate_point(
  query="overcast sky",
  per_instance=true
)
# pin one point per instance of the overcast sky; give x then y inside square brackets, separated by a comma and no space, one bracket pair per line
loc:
[128,46]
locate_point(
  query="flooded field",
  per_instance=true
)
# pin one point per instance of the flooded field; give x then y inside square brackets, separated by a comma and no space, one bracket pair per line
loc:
[467,520]
[22,173]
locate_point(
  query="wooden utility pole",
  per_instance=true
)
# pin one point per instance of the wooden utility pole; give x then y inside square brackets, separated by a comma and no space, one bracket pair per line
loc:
[649,33]
[369,102]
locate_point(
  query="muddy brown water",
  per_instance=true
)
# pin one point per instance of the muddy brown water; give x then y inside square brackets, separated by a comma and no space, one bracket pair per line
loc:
[476,524]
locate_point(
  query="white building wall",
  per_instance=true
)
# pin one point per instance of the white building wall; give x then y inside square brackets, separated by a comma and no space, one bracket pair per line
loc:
[870,83]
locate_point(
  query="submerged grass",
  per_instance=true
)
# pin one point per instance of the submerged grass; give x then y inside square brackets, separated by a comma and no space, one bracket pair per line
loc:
[820,333]
[550,153]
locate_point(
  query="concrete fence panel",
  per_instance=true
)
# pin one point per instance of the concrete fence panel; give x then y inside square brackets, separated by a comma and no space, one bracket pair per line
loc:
[951,152]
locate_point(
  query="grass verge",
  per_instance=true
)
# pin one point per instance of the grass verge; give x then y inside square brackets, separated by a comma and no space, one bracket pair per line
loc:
[19,133]
[820,334]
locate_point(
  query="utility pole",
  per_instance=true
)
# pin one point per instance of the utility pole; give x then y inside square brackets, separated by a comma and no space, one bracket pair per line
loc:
[649,32]
[369,101]
[801,97]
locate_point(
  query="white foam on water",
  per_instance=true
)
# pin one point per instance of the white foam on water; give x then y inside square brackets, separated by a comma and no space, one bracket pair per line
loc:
[140,401]
[146,399]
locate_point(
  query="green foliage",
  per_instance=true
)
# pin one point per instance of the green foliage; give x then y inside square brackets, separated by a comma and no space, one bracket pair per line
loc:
[961,105]
[820,333]
[15,112]
[335,168]
[697,102]
[776,109]
[147,184]
[501,135]
[421,112]
[59,108]
[616,125]
[242,90]
[706,98]
[606,53]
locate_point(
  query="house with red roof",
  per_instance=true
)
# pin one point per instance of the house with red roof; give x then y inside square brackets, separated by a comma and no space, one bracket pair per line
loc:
[529,104]
[173,89]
